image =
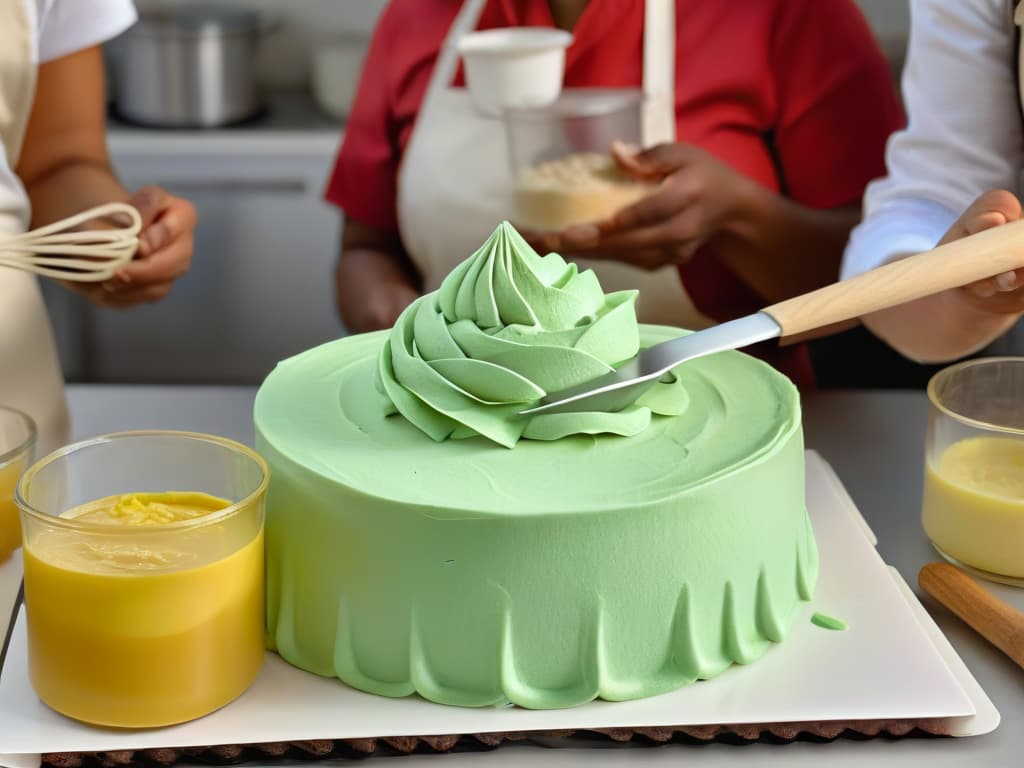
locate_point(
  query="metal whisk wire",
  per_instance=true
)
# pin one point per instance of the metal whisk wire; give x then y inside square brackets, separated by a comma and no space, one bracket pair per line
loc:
[63,252]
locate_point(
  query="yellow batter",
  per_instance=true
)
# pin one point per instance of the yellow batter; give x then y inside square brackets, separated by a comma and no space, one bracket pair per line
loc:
[148,508]
[974,503]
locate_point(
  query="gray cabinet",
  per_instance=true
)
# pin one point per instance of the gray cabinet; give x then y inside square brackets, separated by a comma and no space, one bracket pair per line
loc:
[260,288]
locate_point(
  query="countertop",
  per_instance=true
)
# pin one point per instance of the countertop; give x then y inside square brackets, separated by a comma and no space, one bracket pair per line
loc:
[874,440]
[292,123]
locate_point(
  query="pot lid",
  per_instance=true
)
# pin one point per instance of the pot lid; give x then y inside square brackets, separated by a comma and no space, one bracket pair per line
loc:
[194,21]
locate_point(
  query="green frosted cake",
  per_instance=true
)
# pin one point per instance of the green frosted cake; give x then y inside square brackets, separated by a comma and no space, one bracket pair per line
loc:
[422,537]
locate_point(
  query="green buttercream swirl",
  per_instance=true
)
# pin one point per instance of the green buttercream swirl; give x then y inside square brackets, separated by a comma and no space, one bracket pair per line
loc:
[506,327]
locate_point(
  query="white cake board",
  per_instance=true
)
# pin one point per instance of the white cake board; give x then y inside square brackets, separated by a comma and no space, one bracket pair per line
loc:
[891,663]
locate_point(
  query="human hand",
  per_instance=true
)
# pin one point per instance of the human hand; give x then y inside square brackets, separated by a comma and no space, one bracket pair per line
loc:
[1002,294]
[697,197]
[164,253]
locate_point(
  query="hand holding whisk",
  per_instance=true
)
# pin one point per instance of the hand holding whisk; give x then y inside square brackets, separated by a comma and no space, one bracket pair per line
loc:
[62,252]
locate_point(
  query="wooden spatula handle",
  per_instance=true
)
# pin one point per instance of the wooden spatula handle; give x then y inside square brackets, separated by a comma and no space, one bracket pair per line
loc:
[989,616]
[986,254]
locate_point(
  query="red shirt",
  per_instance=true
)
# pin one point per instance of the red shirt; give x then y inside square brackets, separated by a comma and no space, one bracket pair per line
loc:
[793,93]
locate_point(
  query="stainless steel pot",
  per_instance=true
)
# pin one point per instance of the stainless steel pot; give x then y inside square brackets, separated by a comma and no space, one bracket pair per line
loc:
[189,68]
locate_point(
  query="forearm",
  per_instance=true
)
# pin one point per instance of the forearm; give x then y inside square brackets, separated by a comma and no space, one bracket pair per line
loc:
[64,163]
[372,288]
[939,328]
[933,329]
[374,280]
[72,187]
[65,169]
[357,265]
[781,248]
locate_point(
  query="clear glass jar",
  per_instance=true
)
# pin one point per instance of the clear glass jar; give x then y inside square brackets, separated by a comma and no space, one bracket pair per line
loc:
[17,446]
[146,608]
[973,504]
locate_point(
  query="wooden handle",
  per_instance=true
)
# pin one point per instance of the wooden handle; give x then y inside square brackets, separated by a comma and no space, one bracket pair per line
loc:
[964,261]
[989,616]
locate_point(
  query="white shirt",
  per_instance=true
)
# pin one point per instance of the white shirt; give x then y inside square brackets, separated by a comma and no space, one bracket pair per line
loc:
[964,134]
[57,28]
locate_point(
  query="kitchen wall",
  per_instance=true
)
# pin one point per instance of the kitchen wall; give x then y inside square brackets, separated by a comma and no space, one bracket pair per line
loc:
[260,287]
[888,17]
[303,24]
[307,22]
[890,20]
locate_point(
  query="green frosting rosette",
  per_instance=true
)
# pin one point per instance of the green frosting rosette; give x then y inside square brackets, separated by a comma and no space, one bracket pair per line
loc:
[506,327]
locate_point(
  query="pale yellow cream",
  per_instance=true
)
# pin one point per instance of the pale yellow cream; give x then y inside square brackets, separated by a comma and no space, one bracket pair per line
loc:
[149,508]
[974,504]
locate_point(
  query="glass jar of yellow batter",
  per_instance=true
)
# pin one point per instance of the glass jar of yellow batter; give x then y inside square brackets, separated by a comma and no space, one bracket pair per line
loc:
[144,576]
[17,443]
[973,506]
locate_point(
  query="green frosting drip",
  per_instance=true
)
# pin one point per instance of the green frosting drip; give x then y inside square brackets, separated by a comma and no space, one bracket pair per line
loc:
[506,327]
[828,622]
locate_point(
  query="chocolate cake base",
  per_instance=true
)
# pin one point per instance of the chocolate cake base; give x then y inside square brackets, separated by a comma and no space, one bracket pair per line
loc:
[361,748]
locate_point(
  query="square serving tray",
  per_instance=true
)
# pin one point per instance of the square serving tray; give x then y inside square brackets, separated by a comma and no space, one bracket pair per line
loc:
[891,663]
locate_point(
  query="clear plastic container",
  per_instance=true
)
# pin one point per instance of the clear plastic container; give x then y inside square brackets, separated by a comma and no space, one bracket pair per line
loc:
[138,617]
[17,445]
[580,120]
[973,504]
[560,157]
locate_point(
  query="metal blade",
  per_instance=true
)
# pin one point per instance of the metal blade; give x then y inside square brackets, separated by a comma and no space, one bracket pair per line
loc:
[620,388]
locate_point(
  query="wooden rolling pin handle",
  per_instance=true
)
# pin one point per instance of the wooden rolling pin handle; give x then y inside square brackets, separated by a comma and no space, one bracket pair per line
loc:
[961,262]
[990,617]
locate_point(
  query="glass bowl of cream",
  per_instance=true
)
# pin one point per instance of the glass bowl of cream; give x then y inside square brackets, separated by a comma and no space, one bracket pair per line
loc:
[144,589]
[973,502]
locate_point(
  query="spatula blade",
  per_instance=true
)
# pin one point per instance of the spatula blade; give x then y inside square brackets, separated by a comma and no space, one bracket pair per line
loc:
[618,389]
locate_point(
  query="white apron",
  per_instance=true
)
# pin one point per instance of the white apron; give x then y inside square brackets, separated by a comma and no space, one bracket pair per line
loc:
[454,186]
[30,376]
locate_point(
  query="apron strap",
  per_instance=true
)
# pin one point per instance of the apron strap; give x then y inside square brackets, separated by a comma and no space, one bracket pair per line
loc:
[448,57]
[1016,10]
[659,71]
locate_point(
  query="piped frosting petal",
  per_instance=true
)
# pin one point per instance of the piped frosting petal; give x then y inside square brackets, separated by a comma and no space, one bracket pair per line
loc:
[506,327]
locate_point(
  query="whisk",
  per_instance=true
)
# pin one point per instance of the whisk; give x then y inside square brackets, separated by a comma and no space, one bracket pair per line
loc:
[61,251]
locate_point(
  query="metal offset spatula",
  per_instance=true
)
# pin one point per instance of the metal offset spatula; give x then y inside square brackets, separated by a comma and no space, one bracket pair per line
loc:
[986,254]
